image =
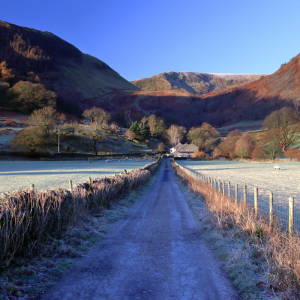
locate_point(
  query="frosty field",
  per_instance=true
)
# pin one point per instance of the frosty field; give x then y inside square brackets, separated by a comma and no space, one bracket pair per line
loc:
[283,184]
[15,175]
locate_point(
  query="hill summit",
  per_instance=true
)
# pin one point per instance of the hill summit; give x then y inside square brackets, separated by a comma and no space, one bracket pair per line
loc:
[193,82]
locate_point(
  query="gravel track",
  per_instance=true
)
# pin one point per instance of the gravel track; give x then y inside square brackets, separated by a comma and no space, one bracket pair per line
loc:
[154,252]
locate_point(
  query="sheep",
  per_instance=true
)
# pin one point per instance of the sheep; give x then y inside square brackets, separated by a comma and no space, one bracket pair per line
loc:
[277,168]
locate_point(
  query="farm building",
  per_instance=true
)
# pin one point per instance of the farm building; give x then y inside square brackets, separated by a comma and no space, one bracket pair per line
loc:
[185,150]
[174,149]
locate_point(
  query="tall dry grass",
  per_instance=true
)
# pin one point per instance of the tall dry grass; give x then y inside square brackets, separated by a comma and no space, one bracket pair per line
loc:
[281,251]
[27,217]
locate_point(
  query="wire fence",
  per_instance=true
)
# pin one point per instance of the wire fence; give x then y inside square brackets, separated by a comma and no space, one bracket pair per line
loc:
[287,215]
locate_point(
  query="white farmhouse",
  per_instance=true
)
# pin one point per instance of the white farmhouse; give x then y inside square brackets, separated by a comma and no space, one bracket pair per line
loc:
[185,150]
[175,148]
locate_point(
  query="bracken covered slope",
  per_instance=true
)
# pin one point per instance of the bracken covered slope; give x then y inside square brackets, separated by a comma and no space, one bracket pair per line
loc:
[75,77]
[193,82]
[251,101]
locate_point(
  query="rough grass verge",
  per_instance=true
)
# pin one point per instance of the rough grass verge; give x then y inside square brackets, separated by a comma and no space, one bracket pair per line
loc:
[262,260]
[71,223]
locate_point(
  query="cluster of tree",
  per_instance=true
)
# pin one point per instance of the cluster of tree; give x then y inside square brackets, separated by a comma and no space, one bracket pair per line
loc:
[205,136]
[236,144]
[39,133]
[98,118]
[175,134]
[280,130]
[24,96]
[46,122]
[139,130]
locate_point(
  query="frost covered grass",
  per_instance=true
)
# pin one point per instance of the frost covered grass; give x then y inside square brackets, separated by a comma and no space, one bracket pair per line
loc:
[16,175]
[26,217]
[67,233]
[267,247]
[283,184]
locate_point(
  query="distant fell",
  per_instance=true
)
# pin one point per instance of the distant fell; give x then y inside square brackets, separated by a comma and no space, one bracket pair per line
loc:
[77,79]
[250,101]
[193,82]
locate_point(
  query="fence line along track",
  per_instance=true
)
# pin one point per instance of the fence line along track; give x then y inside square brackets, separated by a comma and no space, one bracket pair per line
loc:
[288,216]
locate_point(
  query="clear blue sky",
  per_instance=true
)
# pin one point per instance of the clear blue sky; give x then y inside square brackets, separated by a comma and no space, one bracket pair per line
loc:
[141,38]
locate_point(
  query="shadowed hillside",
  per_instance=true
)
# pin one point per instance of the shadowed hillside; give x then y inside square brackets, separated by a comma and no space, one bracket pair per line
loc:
[251,101]
[42,57]
[81,81]
[193,82]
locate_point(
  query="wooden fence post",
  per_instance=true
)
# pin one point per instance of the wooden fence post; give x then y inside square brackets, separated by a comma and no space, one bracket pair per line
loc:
[223,188]
[90,180]
[219,182]
[255,202]
[216,184]
[291,216]
[71,185]
[271,209]
[245,194]
[229,189]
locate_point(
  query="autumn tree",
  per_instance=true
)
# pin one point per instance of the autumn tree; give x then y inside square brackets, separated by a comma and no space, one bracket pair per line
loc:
[27,96]
[45,117]
[270,143]
[30,138]
[258,153]
[130,134]
[292,153]
[96,116]
[175,134]
[157,126]
[161,148]
[205,137]
[244,146]
[6,73]
[227,145]
[286,123]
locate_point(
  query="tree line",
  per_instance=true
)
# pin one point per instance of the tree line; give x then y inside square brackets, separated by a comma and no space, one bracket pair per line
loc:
[280,130]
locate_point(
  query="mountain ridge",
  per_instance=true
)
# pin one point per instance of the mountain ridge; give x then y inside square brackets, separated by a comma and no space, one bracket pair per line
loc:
[194,82]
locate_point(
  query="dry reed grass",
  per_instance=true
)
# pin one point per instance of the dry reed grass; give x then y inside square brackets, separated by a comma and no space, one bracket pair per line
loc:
[281,252]
[27,217]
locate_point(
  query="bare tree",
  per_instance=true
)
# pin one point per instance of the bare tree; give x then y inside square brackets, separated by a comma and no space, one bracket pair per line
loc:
[128,118]
[94,136]
[96,116]
[227,146]
[296,104]
[131,135]
[45,117]
[286,121]
[270,143]
[157,126]
[175,134]
[244,146]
